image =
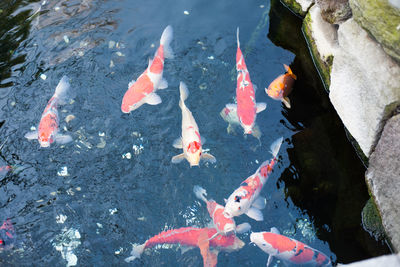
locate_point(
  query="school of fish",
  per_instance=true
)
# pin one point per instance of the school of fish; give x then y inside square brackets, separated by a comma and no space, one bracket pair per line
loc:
[221,233]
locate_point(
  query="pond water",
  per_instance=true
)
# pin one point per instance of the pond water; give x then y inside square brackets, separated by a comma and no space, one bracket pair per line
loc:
[89,200]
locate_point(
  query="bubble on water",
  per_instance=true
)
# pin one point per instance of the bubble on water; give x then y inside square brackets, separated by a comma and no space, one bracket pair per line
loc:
[137,149]
[102,143]
[152,45]
[112,211]
[203,86]
[211,57]
[119,251]
[86,144]
[99,225]
[127,155]
[66,39]
[33,128]
[119,54]
[81,54]
[70,192]
[256,161]
[56,8]
[102,134]
[43,77]
[186,12]
[13,103]
[111,44]
[61,218]
[142,219]
[66,242]
[78,188]
[136,134]
[112,65]
[306,228]
[63,171]
[262,6]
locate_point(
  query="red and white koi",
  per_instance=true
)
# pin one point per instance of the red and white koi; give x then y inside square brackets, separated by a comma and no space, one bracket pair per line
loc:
[192,237]
[280,88]
[5,169]
[288,250]
[48,126]
[144,89]
[246,199]
[7,235]
[223,224]
[246,107]
[191,142]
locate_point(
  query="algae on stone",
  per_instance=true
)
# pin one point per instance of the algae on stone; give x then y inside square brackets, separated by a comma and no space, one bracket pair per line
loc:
[296,7]
[381,20]
[371,220]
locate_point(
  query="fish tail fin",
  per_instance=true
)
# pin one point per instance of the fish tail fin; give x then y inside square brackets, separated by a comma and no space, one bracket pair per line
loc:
[165,41]
[237,36]
[62,89]
[137,251]
[275,146]
[184,93]
[289,71]
[200,192]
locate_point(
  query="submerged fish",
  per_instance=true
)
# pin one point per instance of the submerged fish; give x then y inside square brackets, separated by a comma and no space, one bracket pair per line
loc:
[245,199]
[7,235]
[143,90]
[281,87]
[246,107]
[191,141]
[192,237]
[289,250]
[48,126]
[5,169]
[224,225]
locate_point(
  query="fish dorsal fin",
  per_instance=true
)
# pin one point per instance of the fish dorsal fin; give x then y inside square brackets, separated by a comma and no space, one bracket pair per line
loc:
[204,244]
[289,71]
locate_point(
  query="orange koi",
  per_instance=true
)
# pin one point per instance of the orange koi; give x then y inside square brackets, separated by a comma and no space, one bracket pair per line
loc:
[281,87]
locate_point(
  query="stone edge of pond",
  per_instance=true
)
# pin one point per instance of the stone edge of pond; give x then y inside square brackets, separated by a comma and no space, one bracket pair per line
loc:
[361,77]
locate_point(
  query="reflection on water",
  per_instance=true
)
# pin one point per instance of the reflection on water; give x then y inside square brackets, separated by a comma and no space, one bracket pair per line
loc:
[114,184]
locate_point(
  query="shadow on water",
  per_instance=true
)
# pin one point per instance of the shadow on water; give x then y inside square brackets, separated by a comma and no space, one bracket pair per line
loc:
[325,178]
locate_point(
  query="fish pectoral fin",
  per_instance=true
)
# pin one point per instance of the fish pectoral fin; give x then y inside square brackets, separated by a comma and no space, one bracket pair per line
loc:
[31,135]
[203,140]
[208,157]
[153,99]
[275,230]
[286,101]
[255,87]
[63,139]
[256,132]
[255,214]
[231,107]
[131,83]
[177,143]
[212,259]
[243,228]
[259,203]
[185,249]
[178,158]
[269,261]
[260,107]
[163,84]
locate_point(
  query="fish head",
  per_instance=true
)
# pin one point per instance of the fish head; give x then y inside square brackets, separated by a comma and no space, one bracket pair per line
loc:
[194,153]
[261,239]
[236,204]
[45,140]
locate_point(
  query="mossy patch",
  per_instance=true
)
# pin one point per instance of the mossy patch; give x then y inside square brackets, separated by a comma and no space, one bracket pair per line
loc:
[381,20]
[295,7]
[371,220]
[324,67]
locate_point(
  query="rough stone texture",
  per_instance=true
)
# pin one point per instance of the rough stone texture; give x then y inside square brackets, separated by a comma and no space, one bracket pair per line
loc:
[382,21]
[299,7]
[335,11]
[386,261]
[322,40]
[365,84]
[383,178]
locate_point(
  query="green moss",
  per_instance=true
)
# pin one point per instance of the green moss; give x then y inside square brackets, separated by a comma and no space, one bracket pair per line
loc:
[381,20]
[324,68]
[294,6]
[371,220]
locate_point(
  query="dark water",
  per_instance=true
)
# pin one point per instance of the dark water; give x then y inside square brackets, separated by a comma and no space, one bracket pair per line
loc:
[315,194]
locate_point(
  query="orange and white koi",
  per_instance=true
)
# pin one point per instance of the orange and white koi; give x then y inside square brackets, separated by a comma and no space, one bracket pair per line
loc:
[192,237]
[223,224]
[246,199]
[191,142]
[246,107]
[281,87]
[144,89]
[48,126]
[288,250]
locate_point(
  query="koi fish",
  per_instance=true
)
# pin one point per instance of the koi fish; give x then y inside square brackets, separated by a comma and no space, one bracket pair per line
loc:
[48,126]
[7,235]
[246,199]
[281,87]
[223,224]
[144,89]
[288,250]
[191,141]
[5,169]
[246,107]
[192,237]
